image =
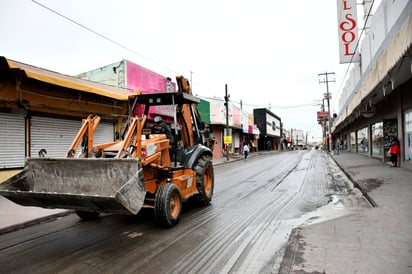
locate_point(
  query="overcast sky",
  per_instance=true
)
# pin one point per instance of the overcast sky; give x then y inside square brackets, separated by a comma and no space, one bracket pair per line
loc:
[268,52]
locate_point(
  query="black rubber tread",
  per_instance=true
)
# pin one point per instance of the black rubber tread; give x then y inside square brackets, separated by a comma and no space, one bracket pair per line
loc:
[162,210]
[87,215]
[203,164]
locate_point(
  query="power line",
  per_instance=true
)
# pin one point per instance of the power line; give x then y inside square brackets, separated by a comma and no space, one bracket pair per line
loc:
[146,58]
[102,36]
[260,105]
[281,107]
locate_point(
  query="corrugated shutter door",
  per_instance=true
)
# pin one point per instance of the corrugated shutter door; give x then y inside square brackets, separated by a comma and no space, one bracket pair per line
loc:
[56,135]
[104,133]
[12,151]
[53,135]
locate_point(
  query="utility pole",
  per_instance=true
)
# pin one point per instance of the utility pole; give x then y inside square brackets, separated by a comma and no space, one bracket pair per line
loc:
[323,121]
[227,121]
[328,96]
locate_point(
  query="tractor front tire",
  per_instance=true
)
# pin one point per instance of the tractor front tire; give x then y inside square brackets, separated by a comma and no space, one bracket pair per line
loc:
[204,180]
[168,205]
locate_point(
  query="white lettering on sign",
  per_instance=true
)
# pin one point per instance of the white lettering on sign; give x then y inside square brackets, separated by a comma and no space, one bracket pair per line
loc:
[347,31]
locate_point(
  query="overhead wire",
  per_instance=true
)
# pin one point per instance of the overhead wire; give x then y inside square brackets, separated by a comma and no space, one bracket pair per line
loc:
[102,35]
[151,60]
[260,105]
[280,107]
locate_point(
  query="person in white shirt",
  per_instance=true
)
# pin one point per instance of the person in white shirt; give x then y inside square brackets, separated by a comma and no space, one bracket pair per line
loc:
[246,150]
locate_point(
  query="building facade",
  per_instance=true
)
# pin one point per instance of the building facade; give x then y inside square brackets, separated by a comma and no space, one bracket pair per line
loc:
[41,112]
[376,103]
[270,128]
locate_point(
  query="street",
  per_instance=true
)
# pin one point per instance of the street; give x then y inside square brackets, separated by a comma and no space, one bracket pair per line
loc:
[255,206]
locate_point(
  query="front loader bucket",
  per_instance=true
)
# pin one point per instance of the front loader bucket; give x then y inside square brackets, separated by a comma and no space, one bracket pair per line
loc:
[86,184]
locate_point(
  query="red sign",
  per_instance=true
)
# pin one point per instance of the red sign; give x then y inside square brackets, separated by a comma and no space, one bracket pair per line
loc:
[322,115]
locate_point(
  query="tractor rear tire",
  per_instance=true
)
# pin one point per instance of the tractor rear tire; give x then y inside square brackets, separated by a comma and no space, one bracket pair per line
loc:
[204,180]
[168,205]
[87,215]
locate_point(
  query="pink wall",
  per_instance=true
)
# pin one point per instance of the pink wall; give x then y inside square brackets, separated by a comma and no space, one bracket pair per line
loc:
[143,79]
[147,81]
[236,116]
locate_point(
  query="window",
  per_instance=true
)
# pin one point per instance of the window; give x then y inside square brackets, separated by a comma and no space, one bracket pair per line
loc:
[408,134]
[363,141]
[378,140]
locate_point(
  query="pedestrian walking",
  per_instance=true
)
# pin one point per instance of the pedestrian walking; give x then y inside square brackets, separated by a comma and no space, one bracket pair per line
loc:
[246,150]
[394,152]
[338,146]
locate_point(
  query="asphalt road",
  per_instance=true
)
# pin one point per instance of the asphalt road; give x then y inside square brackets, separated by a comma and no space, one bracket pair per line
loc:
[255,206]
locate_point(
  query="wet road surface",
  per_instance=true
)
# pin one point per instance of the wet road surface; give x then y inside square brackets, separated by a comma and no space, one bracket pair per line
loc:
[255,206]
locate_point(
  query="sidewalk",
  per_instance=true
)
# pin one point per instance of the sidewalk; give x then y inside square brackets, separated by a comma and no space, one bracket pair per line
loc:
[376,240]
[14,216]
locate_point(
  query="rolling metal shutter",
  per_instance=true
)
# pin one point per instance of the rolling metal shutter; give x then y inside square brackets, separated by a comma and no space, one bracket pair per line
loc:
[12,151]
[104,133]
[56,135]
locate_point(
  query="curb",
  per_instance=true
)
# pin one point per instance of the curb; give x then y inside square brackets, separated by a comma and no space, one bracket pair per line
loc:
[291,252]
[355,184]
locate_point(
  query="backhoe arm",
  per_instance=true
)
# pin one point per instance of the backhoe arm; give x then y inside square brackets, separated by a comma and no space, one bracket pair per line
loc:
[188,115]
[85,134]
[132,139]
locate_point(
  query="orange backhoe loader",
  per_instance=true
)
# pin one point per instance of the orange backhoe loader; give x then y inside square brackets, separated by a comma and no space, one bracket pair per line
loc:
[141,170]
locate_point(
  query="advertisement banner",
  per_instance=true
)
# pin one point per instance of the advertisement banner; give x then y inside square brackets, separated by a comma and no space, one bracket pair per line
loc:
[348,31]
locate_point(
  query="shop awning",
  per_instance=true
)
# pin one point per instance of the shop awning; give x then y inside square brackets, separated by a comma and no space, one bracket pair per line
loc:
[70,82]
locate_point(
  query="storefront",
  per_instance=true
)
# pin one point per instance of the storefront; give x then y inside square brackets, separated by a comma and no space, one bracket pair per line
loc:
[54,136]
[42,111]
[269,126]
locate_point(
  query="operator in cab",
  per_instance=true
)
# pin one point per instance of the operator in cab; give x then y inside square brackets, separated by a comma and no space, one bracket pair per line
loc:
[160,127]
